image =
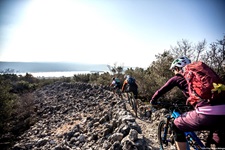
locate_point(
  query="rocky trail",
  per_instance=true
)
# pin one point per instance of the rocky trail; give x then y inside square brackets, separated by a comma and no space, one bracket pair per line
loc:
[79,116]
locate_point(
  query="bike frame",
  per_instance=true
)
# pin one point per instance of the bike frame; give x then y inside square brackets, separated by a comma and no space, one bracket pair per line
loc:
[192,135]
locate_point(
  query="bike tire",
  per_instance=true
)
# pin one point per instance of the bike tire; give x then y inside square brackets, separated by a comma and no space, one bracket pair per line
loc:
[118,92]
[134,106]
[120,95]
[130,100]
[168,143]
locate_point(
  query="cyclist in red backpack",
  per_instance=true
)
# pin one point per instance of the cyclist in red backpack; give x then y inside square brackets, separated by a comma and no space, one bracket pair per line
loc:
[209,112]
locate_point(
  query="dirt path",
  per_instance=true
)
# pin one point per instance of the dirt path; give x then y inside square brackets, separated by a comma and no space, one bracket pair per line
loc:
[149,129]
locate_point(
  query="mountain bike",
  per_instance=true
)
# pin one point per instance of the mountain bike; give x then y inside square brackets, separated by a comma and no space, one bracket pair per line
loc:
[166,133]
[133,102]
[117,92]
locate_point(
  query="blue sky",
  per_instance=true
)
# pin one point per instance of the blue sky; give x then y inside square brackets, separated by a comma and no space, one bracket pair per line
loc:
[126,32]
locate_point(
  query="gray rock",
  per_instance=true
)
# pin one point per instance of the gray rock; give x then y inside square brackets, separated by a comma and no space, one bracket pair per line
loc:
[81,116]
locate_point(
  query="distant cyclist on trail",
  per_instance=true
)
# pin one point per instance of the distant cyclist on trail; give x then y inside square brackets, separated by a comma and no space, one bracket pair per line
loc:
[116,84]
[129,85]
[209,112]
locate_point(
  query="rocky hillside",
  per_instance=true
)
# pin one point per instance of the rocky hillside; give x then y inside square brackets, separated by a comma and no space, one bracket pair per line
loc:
[78,116]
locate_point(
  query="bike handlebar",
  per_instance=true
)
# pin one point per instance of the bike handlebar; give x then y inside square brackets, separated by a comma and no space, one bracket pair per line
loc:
[170,105]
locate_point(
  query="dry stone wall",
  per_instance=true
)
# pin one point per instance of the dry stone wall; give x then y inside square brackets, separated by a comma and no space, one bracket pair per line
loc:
[78,116]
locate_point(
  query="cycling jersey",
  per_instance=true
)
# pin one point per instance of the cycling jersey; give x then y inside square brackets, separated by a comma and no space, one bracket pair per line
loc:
[116,84]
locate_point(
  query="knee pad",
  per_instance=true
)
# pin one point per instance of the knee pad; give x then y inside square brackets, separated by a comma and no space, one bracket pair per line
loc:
[179,135]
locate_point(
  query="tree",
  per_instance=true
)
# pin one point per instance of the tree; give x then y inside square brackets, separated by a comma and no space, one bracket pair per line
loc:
[200,47]
[222,42]
[158,73]
[115,69]
[214,57]
[183,48]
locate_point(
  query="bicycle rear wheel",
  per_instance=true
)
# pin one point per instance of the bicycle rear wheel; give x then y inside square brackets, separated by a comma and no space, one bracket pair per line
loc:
[134,102]
[165,136]
[118,92]
[130,100]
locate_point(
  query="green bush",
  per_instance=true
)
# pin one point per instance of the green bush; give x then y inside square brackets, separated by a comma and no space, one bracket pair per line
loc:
[7,100]
[23,87]
[82,78]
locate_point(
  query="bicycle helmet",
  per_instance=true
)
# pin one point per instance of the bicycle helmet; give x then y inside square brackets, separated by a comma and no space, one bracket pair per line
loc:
[126,76]
[180,62]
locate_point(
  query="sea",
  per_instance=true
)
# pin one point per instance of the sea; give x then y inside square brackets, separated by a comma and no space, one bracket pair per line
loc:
[57,74]
[52,69]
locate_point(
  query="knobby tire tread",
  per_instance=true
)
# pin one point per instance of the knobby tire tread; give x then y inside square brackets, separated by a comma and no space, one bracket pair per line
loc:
[169,135]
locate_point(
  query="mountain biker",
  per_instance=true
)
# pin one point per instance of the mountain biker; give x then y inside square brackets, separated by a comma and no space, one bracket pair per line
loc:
[192,120]
[116,84]
[130,87]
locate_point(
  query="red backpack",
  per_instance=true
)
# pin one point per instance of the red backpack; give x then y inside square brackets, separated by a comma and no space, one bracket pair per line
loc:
[200,79]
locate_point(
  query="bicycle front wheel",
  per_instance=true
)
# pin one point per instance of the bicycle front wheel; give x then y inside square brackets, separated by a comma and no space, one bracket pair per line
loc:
[165,136]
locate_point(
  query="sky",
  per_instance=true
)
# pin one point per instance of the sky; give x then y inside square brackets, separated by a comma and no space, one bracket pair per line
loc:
[125,32]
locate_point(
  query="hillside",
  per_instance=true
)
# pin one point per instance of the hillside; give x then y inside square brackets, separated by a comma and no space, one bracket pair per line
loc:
[84,116]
